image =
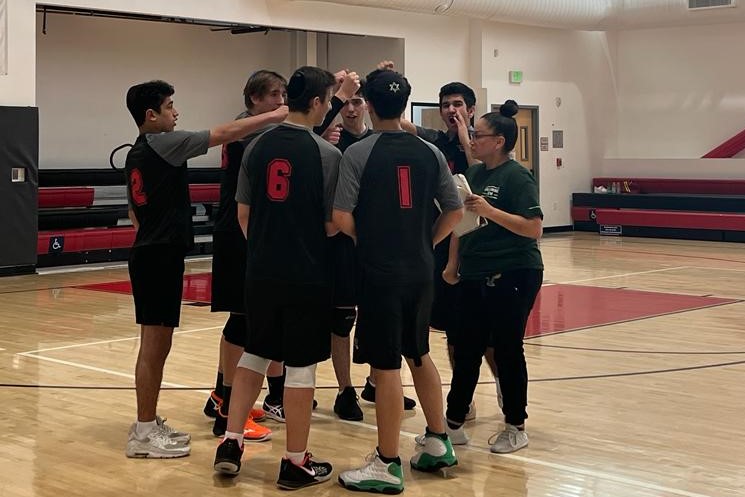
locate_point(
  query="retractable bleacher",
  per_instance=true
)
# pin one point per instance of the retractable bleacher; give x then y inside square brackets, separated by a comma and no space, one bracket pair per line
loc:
[83,214]
[694,209]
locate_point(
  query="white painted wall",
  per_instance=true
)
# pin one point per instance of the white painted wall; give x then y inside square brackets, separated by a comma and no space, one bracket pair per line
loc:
[681,90]
[85,66]
[573,66]
[17,86]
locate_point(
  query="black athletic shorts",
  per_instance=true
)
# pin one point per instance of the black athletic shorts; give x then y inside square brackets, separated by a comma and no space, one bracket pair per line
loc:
[392,321]
[157,276]
[342,320]
[228,271]
[288,322]
[343,257]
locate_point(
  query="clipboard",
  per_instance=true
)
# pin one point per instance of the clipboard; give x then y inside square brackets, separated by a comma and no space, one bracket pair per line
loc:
[471,221]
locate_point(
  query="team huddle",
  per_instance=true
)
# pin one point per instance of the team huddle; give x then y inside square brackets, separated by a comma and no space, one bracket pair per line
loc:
[322,225]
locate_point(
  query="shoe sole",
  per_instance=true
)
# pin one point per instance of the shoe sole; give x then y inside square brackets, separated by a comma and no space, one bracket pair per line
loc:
[292,485]
[264,438]
[229,468]
[274,417]
[383,490]
[507,451]
[150,455]
[433,469]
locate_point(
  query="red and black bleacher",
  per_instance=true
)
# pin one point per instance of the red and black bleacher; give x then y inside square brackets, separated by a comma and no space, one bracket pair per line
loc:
[693,209]
[83,214]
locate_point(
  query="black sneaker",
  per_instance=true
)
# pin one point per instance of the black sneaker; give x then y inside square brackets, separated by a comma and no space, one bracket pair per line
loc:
[292,476]
[228,457]
[368,394]
[346,405]
[212,405]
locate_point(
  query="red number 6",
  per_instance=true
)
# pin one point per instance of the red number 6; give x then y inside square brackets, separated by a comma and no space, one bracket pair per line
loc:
[278,180]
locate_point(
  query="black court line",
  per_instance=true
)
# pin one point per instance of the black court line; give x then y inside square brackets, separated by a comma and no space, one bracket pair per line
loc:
[335,387]
[628,351]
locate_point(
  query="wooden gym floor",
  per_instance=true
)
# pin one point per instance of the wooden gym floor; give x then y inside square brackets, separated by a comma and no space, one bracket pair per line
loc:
[636,355]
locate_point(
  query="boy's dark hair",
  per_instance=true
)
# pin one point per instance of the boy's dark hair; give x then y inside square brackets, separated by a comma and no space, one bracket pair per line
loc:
[259,84]
[457,88]
[503,123]
[144,96]
[388,92]
[307,83]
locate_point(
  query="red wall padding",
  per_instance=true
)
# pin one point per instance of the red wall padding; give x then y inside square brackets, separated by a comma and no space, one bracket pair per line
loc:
[671,219]
[204,193]
[87,239]
[65,197]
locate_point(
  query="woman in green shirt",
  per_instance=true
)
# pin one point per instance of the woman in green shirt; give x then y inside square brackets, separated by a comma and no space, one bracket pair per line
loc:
[500,270]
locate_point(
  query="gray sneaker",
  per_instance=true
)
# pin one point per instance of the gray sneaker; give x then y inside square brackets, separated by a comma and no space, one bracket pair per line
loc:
[178,436]
[509,440]
[156,445]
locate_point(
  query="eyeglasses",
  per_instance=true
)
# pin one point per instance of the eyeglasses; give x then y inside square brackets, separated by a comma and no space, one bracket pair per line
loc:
[476,136]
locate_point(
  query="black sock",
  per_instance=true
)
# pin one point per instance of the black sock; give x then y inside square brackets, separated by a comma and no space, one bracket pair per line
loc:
[389,460]
[276,387]
[225,406]
[453,425]
[219,387]
[441,436]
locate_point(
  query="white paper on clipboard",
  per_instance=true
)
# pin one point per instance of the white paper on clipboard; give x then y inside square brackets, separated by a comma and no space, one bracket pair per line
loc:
[471,221]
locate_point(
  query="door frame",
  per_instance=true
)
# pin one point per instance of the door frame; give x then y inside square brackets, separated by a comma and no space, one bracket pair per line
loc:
[535,138]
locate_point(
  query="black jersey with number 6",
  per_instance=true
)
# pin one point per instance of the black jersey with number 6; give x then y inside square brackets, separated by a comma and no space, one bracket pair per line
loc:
[288,178]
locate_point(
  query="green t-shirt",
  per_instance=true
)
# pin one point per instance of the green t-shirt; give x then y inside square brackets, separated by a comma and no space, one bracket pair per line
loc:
[494,249]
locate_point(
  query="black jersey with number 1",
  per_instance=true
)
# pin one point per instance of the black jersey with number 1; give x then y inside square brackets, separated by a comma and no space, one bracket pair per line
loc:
[389,181]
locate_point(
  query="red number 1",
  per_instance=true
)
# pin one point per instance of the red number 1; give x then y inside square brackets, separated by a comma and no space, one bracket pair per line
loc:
[278,180]
[404,187]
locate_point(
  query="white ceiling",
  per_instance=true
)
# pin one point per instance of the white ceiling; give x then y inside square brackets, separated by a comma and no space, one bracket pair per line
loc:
[567,14]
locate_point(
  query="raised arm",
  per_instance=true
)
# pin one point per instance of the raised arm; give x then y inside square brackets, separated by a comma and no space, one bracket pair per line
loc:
[235,130]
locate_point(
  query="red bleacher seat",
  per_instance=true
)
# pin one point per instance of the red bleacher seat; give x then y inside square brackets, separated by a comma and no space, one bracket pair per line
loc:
[51,197]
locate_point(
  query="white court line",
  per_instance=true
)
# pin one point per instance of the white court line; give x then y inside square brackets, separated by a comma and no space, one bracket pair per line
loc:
[624,275]
[529,460]
[76,345]
[105,266]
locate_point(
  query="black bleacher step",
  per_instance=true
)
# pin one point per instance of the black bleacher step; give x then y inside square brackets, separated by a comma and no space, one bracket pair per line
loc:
[72,218]
[109,177]
[673,202]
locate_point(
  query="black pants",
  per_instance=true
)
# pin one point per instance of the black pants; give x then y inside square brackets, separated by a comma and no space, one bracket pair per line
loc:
[493,312]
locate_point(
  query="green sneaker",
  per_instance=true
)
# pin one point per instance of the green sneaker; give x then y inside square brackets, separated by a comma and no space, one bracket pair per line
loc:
[434,454]
[376,476]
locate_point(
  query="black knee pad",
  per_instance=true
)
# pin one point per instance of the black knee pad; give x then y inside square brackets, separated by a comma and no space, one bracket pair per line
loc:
[235,330]
[342,321]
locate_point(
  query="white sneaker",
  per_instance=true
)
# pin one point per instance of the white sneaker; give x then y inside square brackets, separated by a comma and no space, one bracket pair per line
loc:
[375,476]
[175,435]
[156,445]
[510,440]
[457,436]
[471,414]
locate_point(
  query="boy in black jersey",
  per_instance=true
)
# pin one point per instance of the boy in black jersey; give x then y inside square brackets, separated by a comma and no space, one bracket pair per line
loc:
[387,186]
[160,209]
[353,129]
[285,196]
[265,91]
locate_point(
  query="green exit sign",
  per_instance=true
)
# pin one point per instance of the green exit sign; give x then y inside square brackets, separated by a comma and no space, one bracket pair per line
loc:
[516,77]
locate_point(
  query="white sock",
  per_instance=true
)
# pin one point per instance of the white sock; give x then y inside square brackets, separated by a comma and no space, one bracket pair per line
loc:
[234,436]
[370,381]
[296,457]
[143,428]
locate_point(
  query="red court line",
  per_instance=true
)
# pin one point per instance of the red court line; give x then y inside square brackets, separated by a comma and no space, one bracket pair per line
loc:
[558,308]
